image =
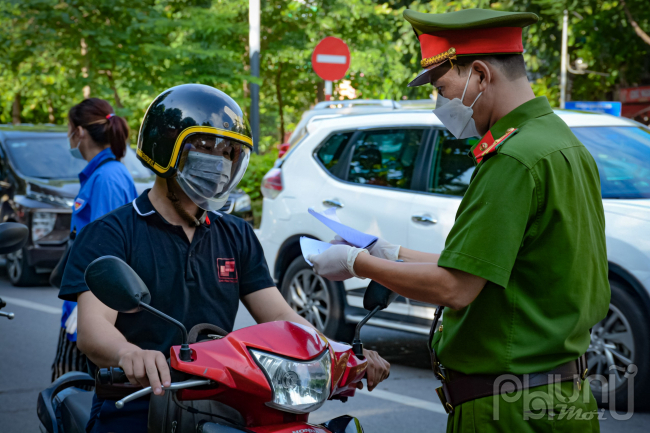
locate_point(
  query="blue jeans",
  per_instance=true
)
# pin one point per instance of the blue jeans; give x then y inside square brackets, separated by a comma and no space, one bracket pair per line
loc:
[106,418]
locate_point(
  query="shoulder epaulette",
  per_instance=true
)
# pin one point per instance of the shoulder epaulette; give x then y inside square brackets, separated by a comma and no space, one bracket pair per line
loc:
[488,144]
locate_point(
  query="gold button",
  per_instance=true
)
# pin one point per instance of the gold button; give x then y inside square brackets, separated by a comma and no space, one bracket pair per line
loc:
[440,328]
[484,146]
[510,129]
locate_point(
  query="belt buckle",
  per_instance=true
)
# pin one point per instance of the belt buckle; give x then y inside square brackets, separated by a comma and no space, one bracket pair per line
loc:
[441,395]
[439,371]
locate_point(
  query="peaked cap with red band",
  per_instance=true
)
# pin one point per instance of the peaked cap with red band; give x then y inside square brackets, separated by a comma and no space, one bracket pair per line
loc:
[468,32]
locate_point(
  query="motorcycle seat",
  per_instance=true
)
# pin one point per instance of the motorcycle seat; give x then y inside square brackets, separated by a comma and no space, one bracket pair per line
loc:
[75,411]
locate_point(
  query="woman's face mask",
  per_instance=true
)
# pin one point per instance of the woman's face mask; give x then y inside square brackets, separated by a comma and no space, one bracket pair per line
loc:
[456,116]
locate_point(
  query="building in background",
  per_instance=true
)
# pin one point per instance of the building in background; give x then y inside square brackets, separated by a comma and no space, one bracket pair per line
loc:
[636,103]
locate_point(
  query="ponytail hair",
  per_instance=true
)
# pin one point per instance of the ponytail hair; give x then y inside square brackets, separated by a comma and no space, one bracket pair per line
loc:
[97,117]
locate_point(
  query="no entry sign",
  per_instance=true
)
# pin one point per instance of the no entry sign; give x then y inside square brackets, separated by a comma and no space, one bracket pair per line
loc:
[331,59]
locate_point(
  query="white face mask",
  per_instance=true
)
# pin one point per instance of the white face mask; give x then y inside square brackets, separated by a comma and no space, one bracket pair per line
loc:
[456,116]
[76,153]
[208,175]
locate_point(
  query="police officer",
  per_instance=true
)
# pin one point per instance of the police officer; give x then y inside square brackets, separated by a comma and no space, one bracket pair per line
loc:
[197,262]
[524,268]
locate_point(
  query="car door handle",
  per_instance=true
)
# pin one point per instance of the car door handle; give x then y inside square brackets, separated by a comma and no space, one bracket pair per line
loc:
[424,219]
[333,203]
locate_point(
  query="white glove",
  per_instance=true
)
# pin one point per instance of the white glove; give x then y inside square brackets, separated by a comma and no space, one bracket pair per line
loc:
[380,248]
[71,322]
[337,262]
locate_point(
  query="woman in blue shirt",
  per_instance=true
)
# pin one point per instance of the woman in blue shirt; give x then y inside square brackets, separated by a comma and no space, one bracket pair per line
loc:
[99,136]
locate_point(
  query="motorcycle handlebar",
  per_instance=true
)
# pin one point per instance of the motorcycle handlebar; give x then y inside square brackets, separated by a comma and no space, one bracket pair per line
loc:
[111,376]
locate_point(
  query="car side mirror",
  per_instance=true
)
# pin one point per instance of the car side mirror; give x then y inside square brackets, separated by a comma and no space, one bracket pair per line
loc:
[117,285]
[13,237]
[378,296]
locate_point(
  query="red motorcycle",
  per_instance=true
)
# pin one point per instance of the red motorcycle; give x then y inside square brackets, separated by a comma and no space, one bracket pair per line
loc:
[273,374]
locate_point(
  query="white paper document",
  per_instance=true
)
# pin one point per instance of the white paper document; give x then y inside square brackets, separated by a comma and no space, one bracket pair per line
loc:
[352,236]
[311,246]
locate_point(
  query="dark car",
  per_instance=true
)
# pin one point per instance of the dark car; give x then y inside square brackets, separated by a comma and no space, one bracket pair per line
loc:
[38,183]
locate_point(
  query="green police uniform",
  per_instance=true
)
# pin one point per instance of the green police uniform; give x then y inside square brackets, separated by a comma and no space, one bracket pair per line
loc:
[532,224]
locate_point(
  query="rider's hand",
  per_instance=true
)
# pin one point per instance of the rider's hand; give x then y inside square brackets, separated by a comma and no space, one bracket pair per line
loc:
[377,371]
[337,262]
[146,368]
[380,248]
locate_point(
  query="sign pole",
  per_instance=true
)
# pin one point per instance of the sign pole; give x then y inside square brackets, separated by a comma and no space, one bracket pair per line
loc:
[254,53]
[328,90]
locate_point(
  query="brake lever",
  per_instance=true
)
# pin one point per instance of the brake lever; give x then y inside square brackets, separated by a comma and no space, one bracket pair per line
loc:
[173,387]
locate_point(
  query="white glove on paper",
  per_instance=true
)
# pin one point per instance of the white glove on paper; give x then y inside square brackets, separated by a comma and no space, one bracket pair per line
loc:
[71,322]
[380,248]
[337,262]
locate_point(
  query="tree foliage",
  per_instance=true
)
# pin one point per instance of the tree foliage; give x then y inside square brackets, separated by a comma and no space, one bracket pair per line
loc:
[53,52]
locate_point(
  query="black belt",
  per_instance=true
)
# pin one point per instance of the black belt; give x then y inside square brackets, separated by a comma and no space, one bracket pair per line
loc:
[458,388]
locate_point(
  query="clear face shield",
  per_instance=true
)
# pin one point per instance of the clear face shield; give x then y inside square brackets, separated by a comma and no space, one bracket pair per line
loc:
[210,168]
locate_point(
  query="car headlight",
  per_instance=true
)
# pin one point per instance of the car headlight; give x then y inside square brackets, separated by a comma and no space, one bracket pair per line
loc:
[42,224]
[242,203]
[298,386]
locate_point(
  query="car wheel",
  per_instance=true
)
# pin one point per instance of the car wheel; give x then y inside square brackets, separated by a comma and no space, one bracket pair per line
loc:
[19,272]
[320,301]
[619,352]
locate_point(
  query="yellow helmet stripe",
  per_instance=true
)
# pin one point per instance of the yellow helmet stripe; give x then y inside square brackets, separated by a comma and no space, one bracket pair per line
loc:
[194,130]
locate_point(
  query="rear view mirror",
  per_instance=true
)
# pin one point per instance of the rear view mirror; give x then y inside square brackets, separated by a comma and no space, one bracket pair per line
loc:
[378,296]
[114,283]
[13,237]
[117,285]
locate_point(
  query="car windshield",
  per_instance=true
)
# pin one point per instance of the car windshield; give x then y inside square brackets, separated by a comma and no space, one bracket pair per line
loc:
[622,154]
[47,157]
[50,158]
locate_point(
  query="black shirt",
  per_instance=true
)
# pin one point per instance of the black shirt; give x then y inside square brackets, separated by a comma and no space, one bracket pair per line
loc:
[200,282]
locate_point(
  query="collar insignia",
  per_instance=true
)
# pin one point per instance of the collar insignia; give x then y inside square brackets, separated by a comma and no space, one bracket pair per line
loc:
[488,144]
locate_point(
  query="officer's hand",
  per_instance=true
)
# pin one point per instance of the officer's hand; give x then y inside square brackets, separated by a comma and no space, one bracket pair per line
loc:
[146,368]
[380,248]
[337,262]
[378,369]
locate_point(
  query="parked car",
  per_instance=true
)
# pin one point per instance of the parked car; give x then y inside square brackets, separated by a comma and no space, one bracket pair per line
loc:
[38,183]
[329,109]
[401,176]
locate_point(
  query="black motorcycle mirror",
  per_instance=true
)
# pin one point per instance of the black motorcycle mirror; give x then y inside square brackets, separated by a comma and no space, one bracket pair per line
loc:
[13,237]
[376,298]
[117,285]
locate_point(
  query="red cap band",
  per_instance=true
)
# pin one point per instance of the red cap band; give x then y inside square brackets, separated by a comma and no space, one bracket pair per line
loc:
[110,115]
[499,40]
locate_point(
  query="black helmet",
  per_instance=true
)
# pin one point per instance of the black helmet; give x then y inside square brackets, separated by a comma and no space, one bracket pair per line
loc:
[199,136]
[183,111]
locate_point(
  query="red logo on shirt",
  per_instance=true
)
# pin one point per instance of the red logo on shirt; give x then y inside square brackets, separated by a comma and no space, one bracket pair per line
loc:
[227,270]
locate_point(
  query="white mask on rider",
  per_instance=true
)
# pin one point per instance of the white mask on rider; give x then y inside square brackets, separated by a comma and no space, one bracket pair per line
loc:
[456,116]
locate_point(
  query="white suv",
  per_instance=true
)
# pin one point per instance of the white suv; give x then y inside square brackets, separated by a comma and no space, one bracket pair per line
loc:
[401,175]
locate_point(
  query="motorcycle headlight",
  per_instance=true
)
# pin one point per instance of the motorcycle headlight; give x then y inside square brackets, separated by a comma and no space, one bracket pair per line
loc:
[298,386]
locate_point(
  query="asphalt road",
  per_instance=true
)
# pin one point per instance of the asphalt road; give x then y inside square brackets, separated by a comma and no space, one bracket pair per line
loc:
[405,402]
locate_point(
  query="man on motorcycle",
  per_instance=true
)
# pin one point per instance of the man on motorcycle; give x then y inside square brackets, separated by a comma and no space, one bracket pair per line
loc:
[197,262]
